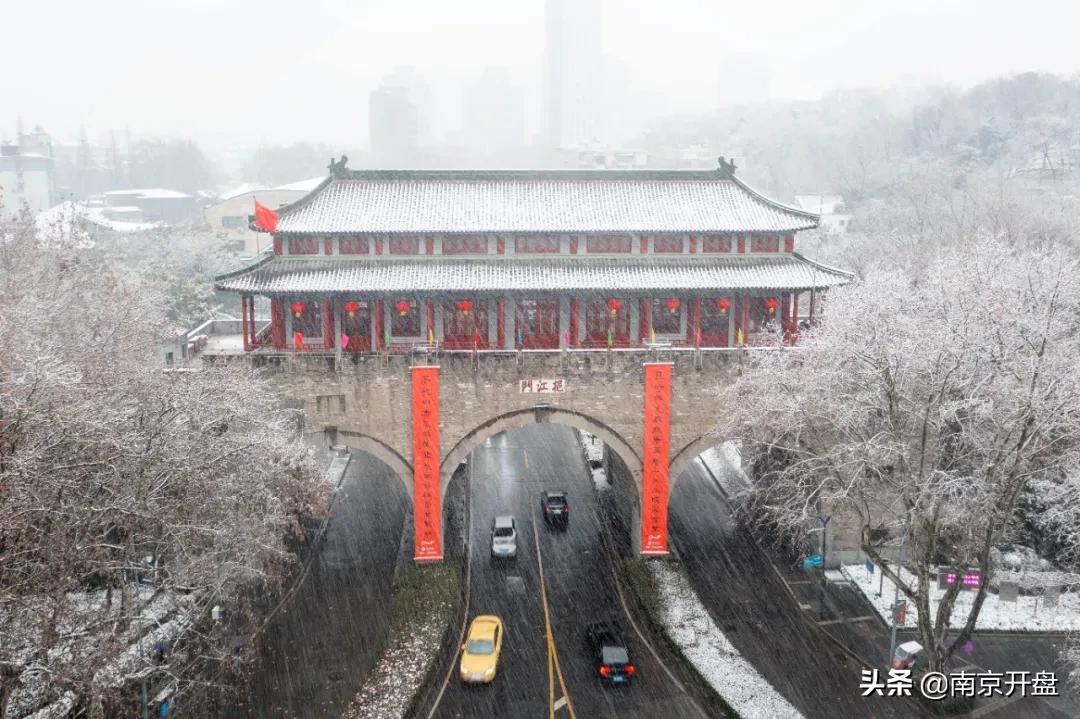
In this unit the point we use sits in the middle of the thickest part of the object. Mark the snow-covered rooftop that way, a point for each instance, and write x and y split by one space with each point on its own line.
820 204
153 193
533 275
66 212
248 188
539 201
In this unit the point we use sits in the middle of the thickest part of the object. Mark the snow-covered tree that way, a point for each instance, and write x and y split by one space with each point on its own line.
925 404
132 499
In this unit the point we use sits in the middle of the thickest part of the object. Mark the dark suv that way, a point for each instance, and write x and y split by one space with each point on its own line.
610 656
555 508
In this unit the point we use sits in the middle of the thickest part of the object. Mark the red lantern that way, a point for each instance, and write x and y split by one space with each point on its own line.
464 306
298 308
352 308
402 307
614 305
723 305
771 304
672 305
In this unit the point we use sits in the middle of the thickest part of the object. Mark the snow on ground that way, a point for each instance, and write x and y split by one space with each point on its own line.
1026 614
724 462
600 480
594 455
688 624
594 448
401 671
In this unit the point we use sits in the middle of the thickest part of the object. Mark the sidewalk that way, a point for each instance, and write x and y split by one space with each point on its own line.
847 617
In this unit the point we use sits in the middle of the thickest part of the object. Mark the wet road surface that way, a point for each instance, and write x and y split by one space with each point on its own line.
750 603
507 476
322 643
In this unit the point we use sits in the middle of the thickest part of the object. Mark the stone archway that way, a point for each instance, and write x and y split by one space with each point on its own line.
687 454
546 414
538 415
380 451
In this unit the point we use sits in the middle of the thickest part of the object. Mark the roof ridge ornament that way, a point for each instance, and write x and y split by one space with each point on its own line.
726 167
337 169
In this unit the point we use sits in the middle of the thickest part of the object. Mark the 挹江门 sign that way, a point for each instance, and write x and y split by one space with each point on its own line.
542 386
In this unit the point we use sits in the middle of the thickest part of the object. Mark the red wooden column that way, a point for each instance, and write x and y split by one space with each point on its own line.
429 311
327 325
277 323
785 314
253 331
575 313
742 320
694 326
794 318
380 322
427 502
645 319
500 335
244 323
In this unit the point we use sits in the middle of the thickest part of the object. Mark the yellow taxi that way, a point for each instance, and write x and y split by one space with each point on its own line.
480 652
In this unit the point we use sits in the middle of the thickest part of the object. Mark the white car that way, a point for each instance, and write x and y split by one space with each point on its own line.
503 537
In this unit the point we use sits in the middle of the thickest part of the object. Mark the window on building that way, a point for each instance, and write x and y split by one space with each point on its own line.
714 318
353 246
303 245
234 222
526 245
537 323
715 243
668 243
404 245
598 319
461 327
608 243
764 243
309 323
665 315
356 325
407 323
464 245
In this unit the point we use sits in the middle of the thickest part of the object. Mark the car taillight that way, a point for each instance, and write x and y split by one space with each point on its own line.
605 670
629 669
547 509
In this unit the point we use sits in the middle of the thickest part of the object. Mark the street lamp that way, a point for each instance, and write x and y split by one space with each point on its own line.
896 594
824 524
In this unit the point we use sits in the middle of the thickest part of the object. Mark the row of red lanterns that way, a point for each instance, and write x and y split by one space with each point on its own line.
403 306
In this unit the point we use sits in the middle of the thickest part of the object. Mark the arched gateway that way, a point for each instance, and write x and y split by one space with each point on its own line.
414 314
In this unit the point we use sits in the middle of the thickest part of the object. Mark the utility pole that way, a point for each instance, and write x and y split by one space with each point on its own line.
896 595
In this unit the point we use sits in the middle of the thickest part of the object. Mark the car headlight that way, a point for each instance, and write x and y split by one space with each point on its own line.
489 671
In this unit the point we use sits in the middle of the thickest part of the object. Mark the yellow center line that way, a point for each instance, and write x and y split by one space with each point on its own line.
553 655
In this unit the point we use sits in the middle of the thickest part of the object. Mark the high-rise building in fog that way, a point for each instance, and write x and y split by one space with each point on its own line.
744 79
493 113
572 72
399 117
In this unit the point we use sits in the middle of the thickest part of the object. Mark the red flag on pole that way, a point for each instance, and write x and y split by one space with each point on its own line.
265 217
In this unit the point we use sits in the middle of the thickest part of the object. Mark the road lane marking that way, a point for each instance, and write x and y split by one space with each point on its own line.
845 620
468 592
553 654
525 453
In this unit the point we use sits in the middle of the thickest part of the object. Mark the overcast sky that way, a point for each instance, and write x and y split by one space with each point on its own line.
241 72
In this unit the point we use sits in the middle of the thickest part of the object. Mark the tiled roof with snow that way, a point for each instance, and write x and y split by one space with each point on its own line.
539 201
274 275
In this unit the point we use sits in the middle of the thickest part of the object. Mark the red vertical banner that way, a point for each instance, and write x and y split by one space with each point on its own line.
654 503
427 511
